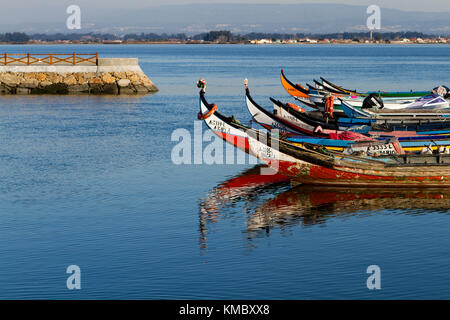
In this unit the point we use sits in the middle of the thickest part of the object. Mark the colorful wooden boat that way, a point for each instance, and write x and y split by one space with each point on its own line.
330 86
294 122
400 94
291 125
318 167
408 144
305 97
417 121
297 90
317 97
271 121
232 131
228 128
428 107
314 95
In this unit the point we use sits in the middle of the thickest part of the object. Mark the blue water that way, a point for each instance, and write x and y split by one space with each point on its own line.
89 181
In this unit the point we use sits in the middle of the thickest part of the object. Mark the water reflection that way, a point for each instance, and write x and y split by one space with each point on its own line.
245 188
269 202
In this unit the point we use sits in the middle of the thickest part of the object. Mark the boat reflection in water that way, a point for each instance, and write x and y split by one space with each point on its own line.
271 202
246 188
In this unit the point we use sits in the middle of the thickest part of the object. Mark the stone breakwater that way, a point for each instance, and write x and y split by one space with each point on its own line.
110 76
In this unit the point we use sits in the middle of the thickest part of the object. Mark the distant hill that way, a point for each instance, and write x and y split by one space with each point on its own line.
238 18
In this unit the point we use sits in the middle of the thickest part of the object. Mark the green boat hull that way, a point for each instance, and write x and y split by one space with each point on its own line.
412 94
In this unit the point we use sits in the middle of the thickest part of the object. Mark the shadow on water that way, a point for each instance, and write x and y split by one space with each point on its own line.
270 202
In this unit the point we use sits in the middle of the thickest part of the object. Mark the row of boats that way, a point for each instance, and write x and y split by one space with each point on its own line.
338 137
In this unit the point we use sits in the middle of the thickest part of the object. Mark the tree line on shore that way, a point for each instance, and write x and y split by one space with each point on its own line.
222 36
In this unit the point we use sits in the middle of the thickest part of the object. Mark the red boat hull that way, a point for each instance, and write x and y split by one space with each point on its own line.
309 173
306 173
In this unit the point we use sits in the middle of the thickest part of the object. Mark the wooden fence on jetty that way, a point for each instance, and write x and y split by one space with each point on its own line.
48 59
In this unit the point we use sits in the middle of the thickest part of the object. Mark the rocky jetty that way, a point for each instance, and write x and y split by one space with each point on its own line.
110 76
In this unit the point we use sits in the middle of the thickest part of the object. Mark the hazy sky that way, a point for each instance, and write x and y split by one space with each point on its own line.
49 15
52 5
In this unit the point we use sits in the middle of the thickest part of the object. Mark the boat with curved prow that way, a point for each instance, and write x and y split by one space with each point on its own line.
314 95
235 133
305 123
228 128
359 120
271 121
400 94
320 167
295 90
428 107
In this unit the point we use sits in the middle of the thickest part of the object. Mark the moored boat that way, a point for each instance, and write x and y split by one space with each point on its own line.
399 94
428 107
296 89
228 128
313 97
317 167
313 124
232 131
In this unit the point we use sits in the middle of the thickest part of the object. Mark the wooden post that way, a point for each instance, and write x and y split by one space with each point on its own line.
6 58
28 58
96 58
74 58
51 58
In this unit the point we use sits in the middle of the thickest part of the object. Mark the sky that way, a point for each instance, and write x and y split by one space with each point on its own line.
52 6
49 15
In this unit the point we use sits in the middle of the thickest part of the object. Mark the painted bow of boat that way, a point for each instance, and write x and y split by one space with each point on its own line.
293 89
223 126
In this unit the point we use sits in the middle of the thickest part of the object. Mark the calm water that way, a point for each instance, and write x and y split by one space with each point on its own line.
89 181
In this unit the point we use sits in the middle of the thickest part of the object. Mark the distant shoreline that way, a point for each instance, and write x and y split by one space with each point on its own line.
220 43
227 37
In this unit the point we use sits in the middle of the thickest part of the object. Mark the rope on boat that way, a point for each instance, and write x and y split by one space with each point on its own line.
209 113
